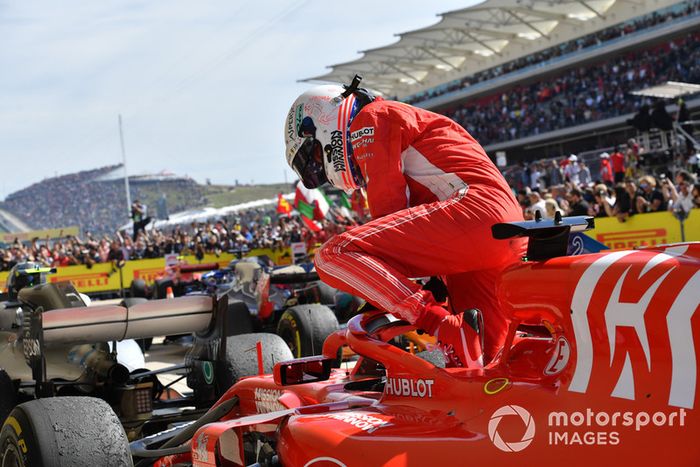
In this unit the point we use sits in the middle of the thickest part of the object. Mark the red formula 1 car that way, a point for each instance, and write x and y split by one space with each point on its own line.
599 367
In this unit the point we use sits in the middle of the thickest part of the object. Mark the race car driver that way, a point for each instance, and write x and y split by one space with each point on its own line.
433 195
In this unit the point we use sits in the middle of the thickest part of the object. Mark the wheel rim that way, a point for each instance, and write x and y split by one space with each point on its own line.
292 339
11 457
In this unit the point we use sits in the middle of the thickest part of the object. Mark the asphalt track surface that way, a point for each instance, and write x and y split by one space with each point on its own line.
162 356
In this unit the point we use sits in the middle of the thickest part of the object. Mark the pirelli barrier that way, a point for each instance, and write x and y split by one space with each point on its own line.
639 230
104 277
645 230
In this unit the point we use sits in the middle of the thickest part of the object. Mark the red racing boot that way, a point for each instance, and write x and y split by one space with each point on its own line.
458 336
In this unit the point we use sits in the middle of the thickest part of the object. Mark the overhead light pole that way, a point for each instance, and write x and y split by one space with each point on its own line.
126 176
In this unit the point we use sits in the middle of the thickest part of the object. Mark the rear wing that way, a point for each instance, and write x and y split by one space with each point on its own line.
548 238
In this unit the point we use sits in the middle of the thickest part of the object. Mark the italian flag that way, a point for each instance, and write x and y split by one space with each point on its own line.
306 212
314 198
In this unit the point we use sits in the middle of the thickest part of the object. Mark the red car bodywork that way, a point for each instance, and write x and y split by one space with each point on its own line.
600 367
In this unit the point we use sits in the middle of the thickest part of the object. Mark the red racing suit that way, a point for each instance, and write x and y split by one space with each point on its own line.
433 194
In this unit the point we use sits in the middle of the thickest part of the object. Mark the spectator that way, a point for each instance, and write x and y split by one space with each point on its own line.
623 207
649 198
537 204
138 217
584 174
696 195
577 205
683 198
603 203
571 170
116 253
536 177
632 157
555 175
551 208
606 170
617 161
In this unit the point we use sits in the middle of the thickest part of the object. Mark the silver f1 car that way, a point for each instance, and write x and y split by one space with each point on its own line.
52 344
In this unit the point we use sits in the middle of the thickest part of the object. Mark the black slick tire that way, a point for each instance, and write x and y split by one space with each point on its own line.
64 432
305 327
241 358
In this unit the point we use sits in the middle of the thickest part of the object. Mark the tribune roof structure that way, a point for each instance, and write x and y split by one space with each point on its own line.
669 90
479 37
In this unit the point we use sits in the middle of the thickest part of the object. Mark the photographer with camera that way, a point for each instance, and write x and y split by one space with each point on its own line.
139 218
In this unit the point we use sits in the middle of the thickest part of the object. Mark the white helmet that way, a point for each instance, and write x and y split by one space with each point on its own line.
317 137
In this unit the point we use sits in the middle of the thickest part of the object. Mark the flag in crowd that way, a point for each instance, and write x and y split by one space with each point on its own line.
283 206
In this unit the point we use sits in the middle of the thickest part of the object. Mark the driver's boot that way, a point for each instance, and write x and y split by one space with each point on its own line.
460 337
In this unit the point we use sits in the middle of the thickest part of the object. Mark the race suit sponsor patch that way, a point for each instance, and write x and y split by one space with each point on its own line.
365 132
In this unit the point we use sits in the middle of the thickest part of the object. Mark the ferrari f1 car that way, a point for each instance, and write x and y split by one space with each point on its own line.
599 364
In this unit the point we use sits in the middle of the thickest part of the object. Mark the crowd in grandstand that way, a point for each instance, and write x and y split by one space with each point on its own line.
255 228
83 199
620 186
581 94
573 46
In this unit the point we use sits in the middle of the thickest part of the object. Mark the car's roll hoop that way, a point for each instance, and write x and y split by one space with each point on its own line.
548 238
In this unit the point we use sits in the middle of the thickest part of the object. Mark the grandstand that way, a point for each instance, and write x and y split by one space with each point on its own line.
95 199
535 79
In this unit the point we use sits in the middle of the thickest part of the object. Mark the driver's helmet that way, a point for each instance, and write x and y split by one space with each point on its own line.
23 275
317 138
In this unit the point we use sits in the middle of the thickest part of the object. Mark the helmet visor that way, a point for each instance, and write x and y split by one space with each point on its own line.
308 163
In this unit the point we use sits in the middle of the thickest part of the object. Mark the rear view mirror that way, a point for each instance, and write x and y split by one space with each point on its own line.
303 370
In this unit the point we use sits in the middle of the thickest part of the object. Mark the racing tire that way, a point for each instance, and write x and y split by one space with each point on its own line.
63 432
241 358
305 327
294 278
326 293
138 289
8 395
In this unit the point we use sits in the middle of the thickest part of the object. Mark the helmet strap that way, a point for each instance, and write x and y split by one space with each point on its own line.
352 87
362 95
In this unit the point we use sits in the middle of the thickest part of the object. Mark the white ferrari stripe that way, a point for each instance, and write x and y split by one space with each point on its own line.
579 318
680 334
